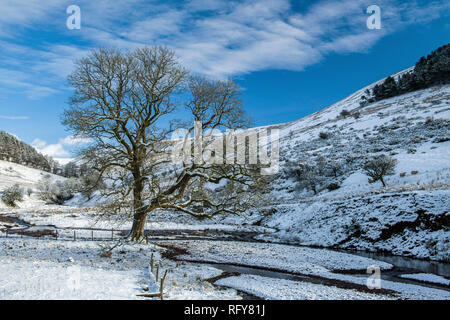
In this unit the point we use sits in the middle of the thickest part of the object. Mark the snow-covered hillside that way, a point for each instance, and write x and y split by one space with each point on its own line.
26 178
409 217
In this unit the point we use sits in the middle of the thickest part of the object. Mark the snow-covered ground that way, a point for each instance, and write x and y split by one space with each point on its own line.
280 289
403 223
49 269
427 277
404 290
293 259
60 269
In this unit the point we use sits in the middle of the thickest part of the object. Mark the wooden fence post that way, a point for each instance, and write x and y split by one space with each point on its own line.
74 235
161 287
151 263
157 272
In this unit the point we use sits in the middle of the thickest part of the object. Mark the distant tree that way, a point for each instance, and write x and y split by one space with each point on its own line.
57 192
91 181
311 174
379 167
428 71
335 167
14 150
71 169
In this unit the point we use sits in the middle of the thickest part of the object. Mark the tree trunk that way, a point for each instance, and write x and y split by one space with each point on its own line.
137 230
382 181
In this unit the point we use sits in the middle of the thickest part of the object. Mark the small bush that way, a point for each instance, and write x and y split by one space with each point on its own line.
333 186
324 135
344 113
11 195
354 229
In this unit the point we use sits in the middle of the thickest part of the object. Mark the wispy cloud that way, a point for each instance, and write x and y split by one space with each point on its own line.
24 82
216 38
13 117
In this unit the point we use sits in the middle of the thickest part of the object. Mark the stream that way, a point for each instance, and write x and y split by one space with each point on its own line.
402 265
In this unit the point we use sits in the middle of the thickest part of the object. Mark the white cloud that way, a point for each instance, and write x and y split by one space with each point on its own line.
38 143
74 140
59 150
55 150
22 81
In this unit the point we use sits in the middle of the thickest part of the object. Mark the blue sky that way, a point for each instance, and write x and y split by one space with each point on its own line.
291 58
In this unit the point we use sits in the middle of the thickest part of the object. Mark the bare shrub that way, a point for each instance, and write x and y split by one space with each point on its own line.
57 192
310 175
379 167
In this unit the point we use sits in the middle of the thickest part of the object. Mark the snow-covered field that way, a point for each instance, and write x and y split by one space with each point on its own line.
50 269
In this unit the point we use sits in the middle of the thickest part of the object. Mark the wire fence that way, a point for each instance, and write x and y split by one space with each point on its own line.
67 233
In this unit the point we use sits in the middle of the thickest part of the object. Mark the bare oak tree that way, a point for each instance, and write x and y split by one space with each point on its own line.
126 103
